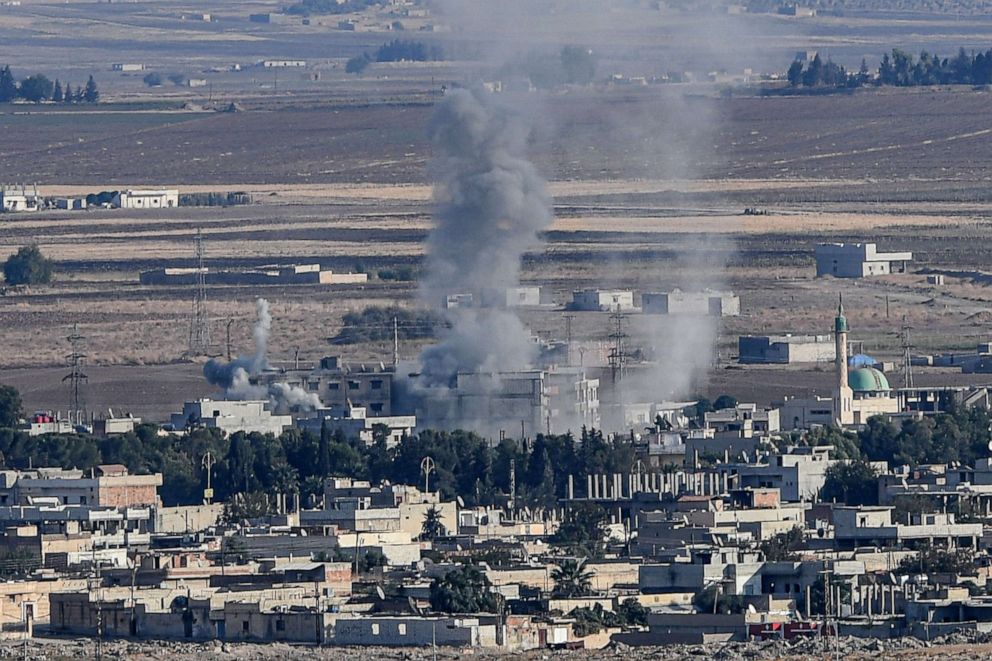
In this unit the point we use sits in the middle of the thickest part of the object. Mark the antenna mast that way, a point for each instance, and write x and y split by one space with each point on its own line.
199 328
907 355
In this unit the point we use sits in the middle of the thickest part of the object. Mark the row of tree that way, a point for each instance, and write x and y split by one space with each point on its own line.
38 88
898 69
397 50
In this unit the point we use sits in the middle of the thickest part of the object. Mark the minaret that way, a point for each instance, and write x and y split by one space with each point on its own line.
843 395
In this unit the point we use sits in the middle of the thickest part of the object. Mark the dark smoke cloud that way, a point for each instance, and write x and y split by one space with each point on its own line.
491 205
235 377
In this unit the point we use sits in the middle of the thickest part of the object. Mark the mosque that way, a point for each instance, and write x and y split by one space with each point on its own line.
859 392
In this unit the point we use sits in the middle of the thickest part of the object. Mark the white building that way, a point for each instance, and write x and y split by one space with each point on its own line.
283 64
511 297
858 260
354 422
127 66
231 416
19 198
602 300
147 199
706 302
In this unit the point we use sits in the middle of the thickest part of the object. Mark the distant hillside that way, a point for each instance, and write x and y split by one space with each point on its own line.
954 7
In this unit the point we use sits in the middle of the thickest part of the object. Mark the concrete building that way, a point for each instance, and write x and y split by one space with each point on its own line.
354 422
71 203
786 349
858 260
873 526
511 297
105 486
283 64
744 420
528 402
249 416
798 473
600 300
147 199
128 66
342 386
19 198
706 302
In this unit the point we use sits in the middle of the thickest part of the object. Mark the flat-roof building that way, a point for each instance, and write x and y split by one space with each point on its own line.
858 260
786 349
706 302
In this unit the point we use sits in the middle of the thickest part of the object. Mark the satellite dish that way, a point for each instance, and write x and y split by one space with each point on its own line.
379 593
461 503
990 446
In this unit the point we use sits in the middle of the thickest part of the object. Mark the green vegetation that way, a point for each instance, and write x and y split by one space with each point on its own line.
358 64
375 324
574 65
898 69
784 546
402 50
961 434
153 79
309 7
583 531
853 483
10 406
713 600
38 88
464 590
27 267
432 528
934 559
572 579
214 199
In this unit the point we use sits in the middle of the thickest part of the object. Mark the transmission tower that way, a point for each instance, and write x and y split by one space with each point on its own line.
76 377
199 327
907 355
618 355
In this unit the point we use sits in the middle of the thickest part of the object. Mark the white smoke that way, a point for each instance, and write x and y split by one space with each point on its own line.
236 376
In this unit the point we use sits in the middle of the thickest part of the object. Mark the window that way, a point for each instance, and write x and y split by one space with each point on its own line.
334 386
313 386
376 408
280 625
375 629
353 385
377 384
401 629
244 626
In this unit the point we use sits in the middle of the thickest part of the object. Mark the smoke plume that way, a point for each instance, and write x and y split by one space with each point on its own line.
491 203
235 377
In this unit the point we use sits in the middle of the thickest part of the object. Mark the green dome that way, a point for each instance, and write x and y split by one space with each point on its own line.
867 379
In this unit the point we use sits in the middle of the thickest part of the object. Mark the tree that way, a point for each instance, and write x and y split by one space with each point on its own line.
578 64
583 531
8 86
851 483
177 79
27 267
633 613
464 590
358 64
714 600
783 546
933 559
67 94
432 527
92 94
57 93
725 402
572 579
153 79
10 406
795 74
36 88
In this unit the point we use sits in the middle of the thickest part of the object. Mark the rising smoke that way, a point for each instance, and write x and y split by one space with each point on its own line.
235 377
491 204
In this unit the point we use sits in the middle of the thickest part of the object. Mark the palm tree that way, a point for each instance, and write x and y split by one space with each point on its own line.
571 579
432 527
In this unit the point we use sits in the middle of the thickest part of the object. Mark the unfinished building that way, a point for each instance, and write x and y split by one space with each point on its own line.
602 300
786 349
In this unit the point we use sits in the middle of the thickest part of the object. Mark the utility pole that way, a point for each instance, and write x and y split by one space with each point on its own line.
568 336
513 483
907 355
76 377
396 344
199 327
208 464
